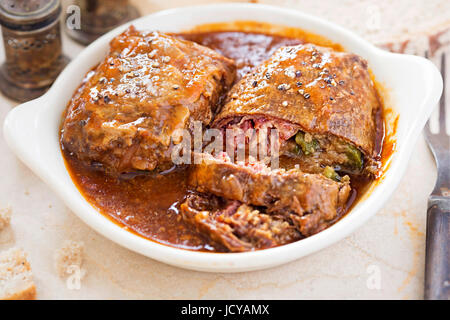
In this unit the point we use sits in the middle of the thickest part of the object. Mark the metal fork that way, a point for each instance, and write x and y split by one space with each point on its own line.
437 260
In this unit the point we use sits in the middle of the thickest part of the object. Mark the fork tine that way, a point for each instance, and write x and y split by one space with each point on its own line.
442 125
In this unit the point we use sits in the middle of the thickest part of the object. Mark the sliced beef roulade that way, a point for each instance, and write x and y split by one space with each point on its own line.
125 114
311 201
322 102
236 226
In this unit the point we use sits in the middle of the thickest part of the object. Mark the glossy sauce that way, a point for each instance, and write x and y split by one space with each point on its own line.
147 204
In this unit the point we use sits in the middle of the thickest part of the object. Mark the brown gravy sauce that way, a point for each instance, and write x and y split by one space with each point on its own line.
147 204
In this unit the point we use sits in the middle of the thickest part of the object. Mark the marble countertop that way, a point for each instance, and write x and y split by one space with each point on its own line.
389 248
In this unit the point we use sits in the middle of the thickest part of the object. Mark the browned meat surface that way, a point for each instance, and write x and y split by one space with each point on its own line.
312 89
312 199
124 115
237 226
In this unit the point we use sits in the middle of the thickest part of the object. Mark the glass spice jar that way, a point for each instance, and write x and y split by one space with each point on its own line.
33 50
97 17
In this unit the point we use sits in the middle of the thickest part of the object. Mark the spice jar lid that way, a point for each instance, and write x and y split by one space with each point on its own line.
26 15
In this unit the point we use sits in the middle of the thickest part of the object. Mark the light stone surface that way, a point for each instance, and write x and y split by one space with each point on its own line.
390 245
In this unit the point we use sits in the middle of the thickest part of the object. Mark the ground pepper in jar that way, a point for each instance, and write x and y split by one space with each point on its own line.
33 49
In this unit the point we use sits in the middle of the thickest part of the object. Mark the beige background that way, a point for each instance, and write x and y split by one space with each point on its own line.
392 242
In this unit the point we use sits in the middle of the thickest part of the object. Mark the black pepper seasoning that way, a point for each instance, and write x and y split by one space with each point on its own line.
97 17
33 51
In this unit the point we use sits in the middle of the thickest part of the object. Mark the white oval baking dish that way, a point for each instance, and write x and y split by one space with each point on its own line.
414 85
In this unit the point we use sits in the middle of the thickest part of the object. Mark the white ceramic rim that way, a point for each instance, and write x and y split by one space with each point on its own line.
27 122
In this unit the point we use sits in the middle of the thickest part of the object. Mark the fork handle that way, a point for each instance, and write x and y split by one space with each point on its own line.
437 261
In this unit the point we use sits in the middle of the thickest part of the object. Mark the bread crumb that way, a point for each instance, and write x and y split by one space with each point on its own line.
16 278
68 257
5 217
